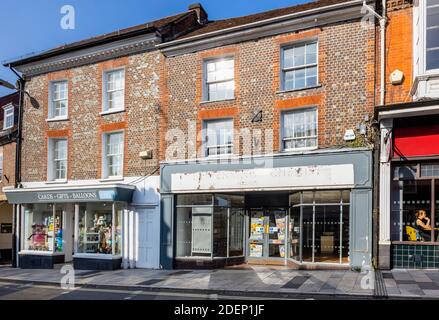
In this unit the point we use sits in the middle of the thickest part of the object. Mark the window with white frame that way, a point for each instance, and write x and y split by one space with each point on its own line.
58 100
432 35
58 159
114 90
218 137
299 129
219 79
113 154
8 117
299 66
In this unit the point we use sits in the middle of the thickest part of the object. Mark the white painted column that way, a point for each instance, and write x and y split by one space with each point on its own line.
126 234
385 180
132 235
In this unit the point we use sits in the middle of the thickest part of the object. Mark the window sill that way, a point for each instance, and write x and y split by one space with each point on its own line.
111 179
225 156
103 113
216 101
298 150
57 119
301 89
56 181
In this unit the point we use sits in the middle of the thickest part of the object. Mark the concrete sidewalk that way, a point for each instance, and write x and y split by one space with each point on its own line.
257 281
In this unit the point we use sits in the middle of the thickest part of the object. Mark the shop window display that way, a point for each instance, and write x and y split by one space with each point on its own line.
43 228
209 225
96 228
319 226
414 203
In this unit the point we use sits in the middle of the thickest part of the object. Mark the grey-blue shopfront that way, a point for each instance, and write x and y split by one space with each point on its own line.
303 209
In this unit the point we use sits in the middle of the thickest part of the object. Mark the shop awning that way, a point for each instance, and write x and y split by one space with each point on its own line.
72 194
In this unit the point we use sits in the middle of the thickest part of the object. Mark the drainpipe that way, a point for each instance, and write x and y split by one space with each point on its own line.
383 21
17 183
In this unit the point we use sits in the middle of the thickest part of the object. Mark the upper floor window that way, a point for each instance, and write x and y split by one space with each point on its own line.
219 79
113 154
58 100
218 137
299 66
299 129
114 90
432 35
8 117
58 159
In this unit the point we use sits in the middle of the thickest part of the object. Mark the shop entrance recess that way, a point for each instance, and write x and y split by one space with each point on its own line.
267 235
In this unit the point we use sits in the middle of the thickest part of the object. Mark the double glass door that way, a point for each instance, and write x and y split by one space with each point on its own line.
267 233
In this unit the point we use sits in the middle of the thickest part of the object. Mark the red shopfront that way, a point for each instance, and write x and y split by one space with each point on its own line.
415 188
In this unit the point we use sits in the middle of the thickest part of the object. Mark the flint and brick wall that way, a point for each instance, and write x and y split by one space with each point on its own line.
343 98
85 124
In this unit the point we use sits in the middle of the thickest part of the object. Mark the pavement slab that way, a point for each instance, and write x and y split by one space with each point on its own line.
398 283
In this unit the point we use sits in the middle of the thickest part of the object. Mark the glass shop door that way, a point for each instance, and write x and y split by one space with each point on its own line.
267 233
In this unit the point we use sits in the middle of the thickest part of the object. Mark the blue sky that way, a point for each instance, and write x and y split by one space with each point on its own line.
28 26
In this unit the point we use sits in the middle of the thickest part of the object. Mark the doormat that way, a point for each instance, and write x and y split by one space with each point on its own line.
296 282
150 282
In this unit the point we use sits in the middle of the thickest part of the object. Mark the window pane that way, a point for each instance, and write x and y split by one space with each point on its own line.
433 17
288 122
299 129
114 154
95 228
408 197
299 79
311 123
60 108
220 70
221 90
236 227
433 38
289 80
41 228
220 232
288 58
328 196
432 59
429 170
432 2
184 232
294 232
299 124
299 56
194 199
311 53
311 76
219 136
115 100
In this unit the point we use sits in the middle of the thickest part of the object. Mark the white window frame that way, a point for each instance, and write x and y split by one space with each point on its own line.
420 32
206 96
282 138
105 169
51 112
206 147
105 104
304 66
51 168
6 109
